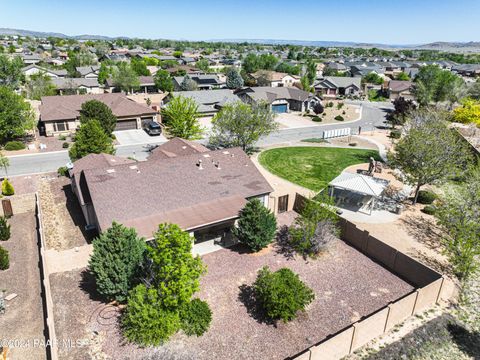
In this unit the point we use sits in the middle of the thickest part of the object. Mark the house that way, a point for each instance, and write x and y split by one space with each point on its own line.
60 114
332 86
274 79
146 85
31 59
281 99
202 191
209 101
396 88
88 72
204 82
70 86
470 70
35 69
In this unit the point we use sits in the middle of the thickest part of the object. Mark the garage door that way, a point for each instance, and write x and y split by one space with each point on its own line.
126 125
281 108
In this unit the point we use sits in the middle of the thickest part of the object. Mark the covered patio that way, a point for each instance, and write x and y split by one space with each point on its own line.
357 192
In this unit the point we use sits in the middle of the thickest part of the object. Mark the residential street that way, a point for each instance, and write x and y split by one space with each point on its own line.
373 114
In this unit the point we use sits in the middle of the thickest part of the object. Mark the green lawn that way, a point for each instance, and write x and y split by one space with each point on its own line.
312 167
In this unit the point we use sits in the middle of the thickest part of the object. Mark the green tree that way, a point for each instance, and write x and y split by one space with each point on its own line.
203 65
115 262
7 188
4 163
402 76
16 115
10 71
188 84
402 110
181 118
240 124
139 67
433 85
234 80
458 213
174 272
316 226
250 64
104 73
4 229
373 78
39 85
97 110
429 152
256 226
281 293
311 73
90 138
163 81
125 78
146 321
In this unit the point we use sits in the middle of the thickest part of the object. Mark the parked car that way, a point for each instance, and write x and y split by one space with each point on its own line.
153 128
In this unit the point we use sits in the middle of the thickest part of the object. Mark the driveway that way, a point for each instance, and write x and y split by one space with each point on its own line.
133 137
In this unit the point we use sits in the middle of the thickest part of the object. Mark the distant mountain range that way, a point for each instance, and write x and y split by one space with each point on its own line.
440 45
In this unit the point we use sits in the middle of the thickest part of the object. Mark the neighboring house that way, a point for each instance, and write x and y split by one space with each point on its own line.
60 114
202 191
281 99
332 86
336 67
31 59
190 70
70 86
209 101
274 79
35 69
88 72
204 82
470 70
396 88
146 85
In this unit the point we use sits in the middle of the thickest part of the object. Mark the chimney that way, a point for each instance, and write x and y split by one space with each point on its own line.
217 165
199 165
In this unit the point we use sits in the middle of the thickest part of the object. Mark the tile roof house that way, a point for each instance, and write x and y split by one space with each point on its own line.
60 114
281 99
332 86
202 191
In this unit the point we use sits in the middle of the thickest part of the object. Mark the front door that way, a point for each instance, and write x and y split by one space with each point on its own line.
282 204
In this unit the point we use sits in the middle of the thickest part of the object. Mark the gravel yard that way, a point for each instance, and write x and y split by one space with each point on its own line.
347 286
23 319
63 220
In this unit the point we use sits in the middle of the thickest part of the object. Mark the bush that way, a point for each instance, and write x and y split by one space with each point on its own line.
429 210
14 145
339 118
4 229
62 171
318 108
65 145
340 105
395 134
7 188
426 197
195 317
117 255
256 226
145 321
330 104
317 119
352 144
4 259
281 293
343 112
62 137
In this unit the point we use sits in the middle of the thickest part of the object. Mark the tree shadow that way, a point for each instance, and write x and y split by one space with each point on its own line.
468 342
283 243
240 249
435 264
423 230
249 299
89 286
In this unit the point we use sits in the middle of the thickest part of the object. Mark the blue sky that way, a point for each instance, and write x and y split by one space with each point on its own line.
393 22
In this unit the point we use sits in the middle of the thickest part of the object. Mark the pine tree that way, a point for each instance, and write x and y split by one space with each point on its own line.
256 226
117 256
234 79
7 188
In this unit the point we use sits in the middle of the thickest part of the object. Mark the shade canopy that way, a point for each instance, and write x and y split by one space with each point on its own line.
359 183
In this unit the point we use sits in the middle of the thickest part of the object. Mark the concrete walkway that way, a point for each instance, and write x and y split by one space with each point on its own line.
67 260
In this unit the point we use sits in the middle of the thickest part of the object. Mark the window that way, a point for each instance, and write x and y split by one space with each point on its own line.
60 126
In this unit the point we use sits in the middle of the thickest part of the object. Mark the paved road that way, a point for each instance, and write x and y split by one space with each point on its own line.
373 114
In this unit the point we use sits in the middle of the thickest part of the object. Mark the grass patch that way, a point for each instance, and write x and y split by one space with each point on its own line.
312 167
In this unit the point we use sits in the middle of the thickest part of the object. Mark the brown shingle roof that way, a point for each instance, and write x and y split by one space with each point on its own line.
176 147
399 85
67 107
175 189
